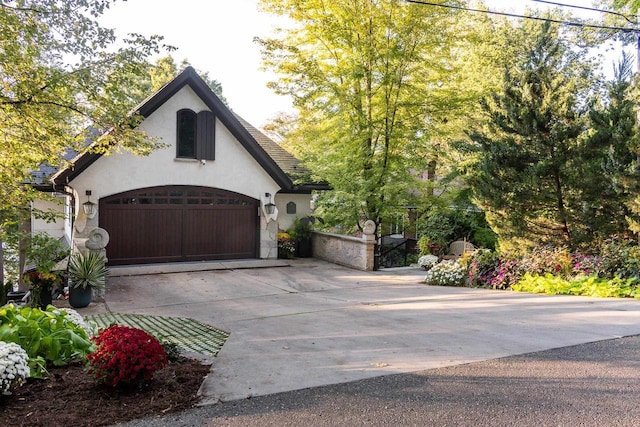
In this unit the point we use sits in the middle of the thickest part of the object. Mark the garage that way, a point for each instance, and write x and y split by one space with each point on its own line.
179 223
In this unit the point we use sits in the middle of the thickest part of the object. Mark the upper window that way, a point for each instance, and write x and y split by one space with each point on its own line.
186 134
291 208
195 135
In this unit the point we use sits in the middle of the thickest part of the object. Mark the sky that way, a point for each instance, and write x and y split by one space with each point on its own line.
217 36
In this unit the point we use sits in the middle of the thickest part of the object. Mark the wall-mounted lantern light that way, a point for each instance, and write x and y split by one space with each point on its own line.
89 207
269 207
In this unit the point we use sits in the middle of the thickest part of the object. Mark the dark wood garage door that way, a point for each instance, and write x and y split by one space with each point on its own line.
179 223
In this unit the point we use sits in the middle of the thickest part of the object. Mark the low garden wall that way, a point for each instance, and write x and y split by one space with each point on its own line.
349 251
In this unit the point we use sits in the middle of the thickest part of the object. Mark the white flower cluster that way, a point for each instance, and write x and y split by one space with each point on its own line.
446 273
14 368
77 319
427 261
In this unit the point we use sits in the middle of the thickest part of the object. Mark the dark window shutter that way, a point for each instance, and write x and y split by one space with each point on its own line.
206 136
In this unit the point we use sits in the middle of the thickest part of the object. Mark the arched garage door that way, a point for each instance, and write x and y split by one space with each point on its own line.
179 223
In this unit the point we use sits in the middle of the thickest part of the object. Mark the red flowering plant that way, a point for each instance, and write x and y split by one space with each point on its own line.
125 356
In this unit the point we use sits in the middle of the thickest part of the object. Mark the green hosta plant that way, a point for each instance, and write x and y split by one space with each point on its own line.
586 286
88 270
48 336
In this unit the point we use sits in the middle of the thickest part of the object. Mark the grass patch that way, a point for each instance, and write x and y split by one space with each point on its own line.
188 334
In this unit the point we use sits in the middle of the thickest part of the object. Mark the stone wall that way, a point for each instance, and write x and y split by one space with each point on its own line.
349 251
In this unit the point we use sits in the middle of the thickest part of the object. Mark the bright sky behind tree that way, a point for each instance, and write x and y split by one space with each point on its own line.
217 36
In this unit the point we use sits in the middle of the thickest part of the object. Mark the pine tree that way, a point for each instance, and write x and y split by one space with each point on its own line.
524 170
608 159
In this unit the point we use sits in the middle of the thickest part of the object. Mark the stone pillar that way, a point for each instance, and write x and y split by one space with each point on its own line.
369 237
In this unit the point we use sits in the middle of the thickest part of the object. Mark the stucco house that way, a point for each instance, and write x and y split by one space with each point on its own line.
207 195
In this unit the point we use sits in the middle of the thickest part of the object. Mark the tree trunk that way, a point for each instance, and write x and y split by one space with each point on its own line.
562 212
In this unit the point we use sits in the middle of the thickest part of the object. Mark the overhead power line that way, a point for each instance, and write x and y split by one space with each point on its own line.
591 9
515 15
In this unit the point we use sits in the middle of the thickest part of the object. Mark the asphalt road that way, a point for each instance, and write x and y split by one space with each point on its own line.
595 384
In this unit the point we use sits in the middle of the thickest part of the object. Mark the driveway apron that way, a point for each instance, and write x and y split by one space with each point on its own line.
315 323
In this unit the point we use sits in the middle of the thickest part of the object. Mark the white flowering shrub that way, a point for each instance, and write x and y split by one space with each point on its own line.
77 319
446 273
14 367
427 261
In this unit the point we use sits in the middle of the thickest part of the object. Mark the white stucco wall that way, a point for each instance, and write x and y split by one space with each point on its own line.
234 168
57 228
303 208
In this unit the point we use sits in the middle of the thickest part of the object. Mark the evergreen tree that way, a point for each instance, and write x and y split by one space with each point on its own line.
608 163
524 172
165 69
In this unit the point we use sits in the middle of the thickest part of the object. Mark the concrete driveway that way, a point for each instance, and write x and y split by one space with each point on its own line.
315 323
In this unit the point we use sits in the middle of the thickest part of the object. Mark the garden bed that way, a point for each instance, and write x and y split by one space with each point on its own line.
71 398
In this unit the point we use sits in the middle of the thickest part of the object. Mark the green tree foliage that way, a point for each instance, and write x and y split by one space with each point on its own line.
63 76
631 5
609 167
372 82
523 174
165 69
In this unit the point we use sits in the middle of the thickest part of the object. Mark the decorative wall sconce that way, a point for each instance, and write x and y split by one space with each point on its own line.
89 207
269 207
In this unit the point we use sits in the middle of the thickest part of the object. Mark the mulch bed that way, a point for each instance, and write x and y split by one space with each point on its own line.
70 397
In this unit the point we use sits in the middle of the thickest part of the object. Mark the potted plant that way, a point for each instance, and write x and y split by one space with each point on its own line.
87 271
41 285
286 246
302 234
44 253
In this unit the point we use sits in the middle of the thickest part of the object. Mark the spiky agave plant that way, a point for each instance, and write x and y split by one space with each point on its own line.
88 269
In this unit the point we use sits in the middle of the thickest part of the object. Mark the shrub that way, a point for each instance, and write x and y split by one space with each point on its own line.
506 273
587 265
620 257
427 261
125 356
14 367
481 266
446 273
171 348
587 286
48 336
444 224
75 318
286 245
424 244
548 259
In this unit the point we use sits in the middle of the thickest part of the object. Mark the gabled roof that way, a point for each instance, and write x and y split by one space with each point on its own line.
289 164
276 161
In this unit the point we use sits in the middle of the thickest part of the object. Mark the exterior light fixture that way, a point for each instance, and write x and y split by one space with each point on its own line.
89 207
270 207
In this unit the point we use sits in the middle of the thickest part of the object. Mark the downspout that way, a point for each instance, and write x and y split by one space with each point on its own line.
64 190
